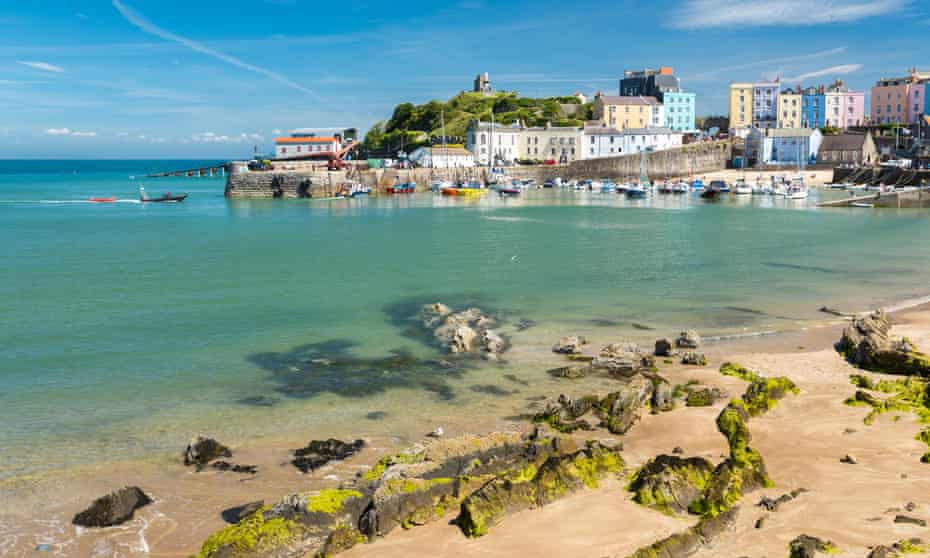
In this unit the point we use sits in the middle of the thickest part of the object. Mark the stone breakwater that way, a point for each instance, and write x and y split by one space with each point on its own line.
293 180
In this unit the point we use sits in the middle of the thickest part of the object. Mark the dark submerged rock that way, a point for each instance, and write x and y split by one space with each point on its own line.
234 468
321 452
202 450
908 520
113 509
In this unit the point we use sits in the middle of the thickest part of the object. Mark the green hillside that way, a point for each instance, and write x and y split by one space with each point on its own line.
411 126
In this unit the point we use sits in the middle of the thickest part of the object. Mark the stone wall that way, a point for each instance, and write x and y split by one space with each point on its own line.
314 182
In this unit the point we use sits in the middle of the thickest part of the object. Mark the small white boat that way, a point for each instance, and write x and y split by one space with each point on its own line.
861 204
681 188
741 188
796 190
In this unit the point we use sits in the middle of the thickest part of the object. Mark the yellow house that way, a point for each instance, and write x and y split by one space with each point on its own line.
789 109
740 105
625 113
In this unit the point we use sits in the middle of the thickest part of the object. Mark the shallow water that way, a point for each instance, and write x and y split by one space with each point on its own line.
129 327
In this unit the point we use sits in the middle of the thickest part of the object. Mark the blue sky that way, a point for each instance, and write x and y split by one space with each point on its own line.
212 78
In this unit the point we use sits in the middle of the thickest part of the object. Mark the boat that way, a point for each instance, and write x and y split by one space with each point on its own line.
715 189
637 191
111 199
680 188
608 186
506 192
352 190
861 204
549 184
722 186
710 194
697 185
665 187
796 190
571 184
167 197
402 188
741 188
469 189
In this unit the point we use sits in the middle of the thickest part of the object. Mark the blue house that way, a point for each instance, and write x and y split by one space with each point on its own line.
679 110
784 146
813 108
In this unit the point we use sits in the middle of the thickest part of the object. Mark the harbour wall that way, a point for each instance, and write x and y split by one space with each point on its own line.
296 180
881 175
913 199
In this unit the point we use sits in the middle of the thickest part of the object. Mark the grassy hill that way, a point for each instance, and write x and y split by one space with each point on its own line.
411 126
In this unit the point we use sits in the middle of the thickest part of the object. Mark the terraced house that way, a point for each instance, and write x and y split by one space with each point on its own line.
789 108
900 100
765 104
551 143
740 108
628 112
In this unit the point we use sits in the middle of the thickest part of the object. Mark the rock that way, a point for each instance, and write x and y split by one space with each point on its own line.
677 450
239 513
462 340
202 450
492 343
882 551
44 547
693 358
773 504
910 506
234 468
113 509
867 343
848 459
573 372
688 340
690 540
432 315
437 433
908 520
622 360
625 406
617 411
704 397
569 345
806 546
663 348
760 522
662 399
463 332
670 483
320 452
557 476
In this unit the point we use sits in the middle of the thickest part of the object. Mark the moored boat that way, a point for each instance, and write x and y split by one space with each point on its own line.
741 188
167 197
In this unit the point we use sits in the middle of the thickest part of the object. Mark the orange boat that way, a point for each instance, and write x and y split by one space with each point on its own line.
103 200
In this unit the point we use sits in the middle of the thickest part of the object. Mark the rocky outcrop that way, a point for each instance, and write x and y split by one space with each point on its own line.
688 340
534 486
662 396
664 348
468 331
113 509
320 452
572 372
618 411
202 450
774 504
418 486
670 483
693 358
704 397
868 344
806 546
622 360
690 540
569 345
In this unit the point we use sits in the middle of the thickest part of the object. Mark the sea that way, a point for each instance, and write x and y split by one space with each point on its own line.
127 327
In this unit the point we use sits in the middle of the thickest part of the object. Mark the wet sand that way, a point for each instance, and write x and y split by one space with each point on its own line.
802 441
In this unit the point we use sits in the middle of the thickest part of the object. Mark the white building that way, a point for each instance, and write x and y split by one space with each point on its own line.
551 143
299 146
784 146
604 141
503 141
438 157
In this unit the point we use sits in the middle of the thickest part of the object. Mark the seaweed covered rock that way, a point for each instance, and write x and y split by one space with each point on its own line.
113 509
806 546
662 396
690 540
693 358
764 393
320 452
618 411
565 414
670 483
569 345
572 372
868 344
534 486
704 397
202 450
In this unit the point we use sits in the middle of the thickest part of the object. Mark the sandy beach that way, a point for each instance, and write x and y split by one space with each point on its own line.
802 441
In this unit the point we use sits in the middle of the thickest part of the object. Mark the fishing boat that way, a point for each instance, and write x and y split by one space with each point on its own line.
352 190
167 197
697 185
111 199
715 190
796 190
741 188
571 184
637 191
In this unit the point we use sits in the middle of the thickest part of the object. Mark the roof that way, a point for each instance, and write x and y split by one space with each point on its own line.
843 142
606 130
601 131
307 139
447 151
790 132
636 101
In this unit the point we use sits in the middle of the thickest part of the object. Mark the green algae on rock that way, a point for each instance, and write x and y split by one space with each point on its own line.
670 483
868 344
737 371
689 541
252 536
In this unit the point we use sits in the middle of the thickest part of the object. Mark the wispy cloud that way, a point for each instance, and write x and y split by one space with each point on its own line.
697 14
831 71
147 26
213 137
43 66
69 132
712 74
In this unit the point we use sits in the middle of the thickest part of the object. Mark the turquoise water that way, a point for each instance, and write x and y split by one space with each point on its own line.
126 327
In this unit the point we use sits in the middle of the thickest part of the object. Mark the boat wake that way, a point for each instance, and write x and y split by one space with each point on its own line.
66 202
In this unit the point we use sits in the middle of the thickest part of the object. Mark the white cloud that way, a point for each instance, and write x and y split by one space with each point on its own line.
712 74
44 66
831 71
69 132
276 132
147 26
213 137
697 14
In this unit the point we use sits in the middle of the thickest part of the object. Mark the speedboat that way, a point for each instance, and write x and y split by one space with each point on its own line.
741 188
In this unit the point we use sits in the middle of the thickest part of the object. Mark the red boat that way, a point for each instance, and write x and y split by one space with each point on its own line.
103 200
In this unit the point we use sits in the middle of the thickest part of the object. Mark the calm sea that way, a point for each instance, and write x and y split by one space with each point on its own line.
127 327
